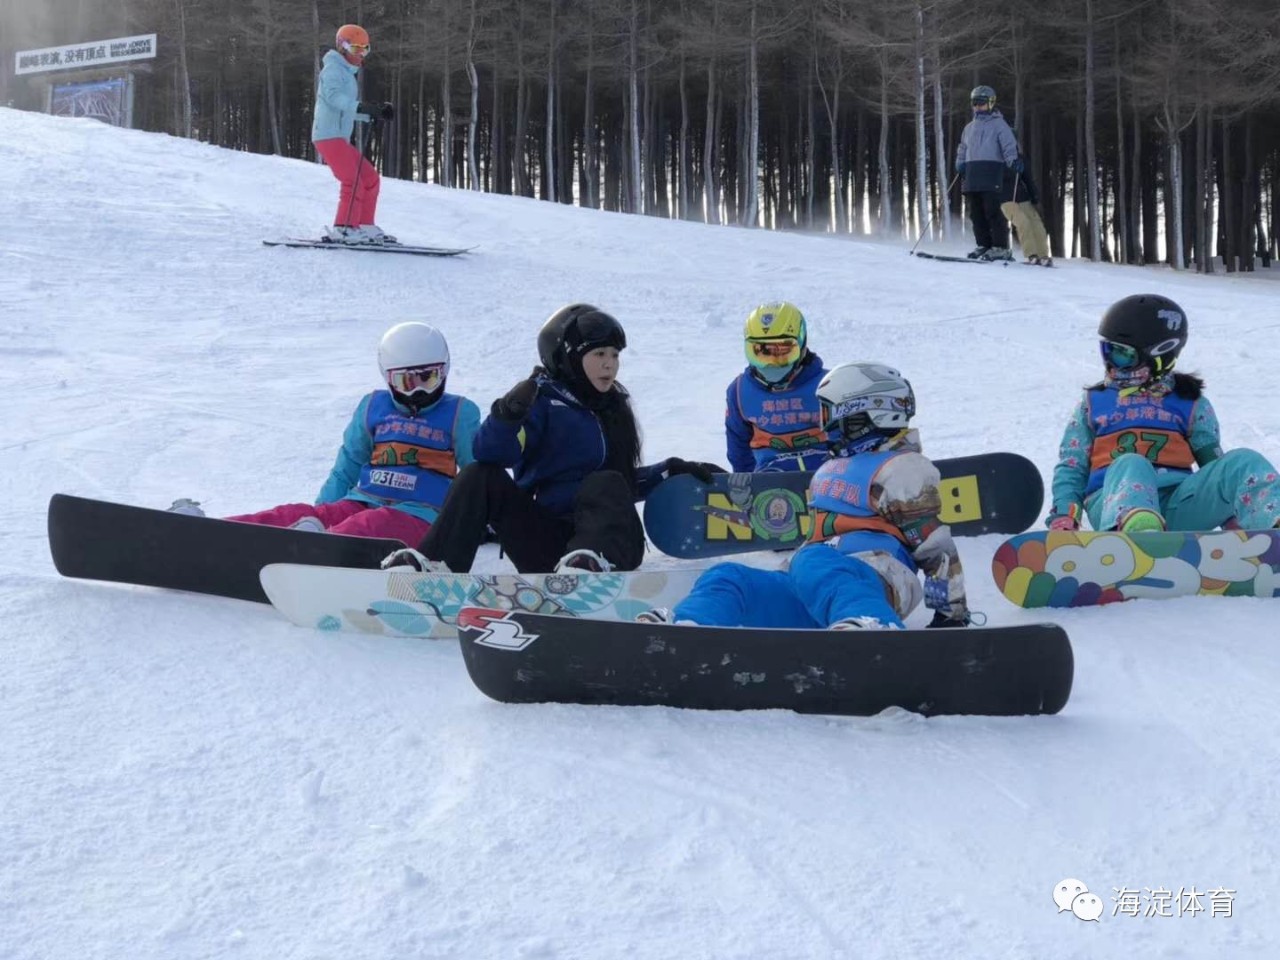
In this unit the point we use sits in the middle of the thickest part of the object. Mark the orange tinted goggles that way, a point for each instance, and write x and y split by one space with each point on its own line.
775 352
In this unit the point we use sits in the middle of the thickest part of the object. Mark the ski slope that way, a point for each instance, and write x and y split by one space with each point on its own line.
184 776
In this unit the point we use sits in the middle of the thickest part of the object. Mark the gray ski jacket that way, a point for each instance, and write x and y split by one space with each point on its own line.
987 147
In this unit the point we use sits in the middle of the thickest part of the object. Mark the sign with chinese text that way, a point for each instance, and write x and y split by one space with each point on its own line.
94 54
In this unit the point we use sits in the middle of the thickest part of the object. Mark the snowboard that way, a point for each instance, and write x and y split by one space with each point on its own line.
1083 568
406 248
405 603
518 657
741 512
98 540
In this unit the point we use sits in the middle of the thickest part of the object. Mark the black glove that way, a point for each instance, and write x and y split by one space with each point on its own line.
702 472
514 407
375 111
940 620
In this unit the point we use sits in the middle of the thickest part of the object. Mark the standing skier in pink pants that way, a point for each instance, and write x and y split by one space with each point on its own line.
338 107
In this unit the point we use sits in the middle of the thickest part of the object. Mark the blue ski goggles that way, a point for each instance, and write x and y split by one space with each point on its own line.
1121 356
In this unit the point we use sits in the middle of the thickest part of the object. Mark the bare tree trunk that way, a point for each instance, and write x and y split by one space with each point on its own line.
1226 203
941 166
473 121
1122 205
710 135
751 164
1178 255
922 143
810 160
1090 147
682 161
273 120
633 103
549 174
885 183
1139 255
184 77
590 153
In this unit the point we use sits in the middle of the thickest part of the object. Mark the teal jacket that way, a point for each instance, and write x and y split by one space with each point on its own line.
1071 475
337 95
357 448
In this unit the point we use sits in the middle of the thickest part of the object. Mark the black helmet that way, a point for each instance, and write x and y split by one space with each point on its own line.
572 331
1153 325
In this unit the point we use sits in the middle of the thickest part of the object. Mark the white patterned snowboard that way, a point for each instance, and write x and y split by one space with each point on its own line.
405 603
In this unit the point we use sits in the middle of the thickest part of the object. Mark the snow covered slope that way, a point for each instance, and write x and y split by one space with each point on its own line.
190 777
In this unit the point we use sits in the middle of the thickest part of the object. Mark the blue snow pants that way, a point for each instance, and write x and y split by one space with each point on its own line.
1241 484
821 586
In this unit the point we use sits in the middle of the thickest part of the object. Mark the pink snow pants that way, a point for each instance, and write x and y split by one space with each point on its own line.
344 159
349 517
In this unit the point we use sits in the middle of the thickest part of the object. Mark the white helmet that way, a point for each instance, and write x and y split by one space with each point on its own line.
414 359
864 400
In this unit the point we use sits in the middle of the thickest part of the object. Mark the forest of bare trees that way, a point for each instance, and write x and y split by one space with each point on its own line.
1152 127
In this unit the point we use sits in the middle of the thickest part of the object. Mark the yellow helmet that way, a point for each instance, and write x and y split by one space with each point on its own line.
775 338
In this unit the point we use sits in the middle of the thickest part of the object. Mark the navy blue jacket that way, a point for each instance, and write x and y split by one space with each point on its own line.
553 448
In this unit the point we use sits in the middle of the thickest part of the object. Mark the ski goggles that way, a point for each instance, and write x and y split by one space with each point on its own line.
1121 356
774 353
408 380
594 330
359 49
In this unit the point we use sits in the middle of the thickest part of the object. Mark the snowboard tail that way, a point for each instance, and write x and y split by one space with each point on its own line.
99 540
406 603
518 657
742 512
1081 568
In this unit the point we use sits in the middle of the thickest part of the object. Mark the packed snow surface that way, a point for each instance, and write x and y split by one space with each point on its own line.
186 776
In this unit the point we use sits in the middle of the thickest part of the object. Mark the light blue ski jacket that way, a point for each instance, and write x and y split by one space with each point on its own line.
337 95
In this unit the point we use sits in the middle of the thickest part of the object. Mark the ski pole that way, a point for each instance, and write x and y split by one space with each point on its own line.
933 215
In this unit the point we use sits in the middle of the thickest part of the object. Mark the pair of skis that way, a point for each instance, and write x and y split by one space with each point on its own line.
955 259
402 248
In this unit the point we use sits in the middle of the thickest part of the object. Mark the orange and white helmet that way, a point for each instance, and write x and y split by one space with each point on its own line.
352 41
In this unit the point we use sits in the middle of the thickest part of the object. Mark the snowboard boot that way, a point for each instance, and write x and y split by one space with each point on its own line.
1034 260
310 524
584 561
997 253
190 508
976 253
862 623
662 615
1141 521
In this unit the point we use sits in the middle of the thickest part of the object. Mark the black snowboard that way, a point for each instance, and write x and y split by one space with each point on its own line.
98 540
518 657
741 512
